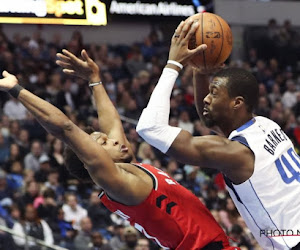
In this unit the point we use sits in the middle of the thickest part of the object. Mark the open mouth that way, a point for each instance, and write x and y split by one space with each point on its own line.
205 112
123 148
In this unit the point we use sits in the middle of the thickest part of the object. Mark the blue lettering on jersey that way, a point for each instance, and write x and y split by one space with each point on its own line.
273 139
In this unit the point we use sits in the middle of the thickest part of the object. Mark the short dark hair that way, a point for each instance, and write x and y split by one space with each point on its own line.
241 82
49 193
74 165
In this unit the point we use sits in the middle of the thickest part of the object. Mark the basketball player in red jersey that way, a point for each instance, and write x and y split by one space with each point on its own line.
153 202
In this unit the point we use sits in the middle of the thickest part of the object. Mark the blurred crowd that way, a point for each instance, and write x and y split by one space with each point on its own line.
39 198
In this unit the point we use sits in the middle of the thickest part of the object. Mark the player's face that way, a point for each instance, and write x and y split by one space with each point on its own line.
118 152
217 103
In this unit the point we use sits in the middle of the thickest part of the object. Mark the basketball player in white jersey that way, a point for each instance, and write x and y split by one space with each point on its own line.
258 160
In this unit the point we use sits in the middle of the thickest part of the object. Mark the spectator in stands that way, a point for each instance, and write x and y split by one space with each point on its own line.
130 237
14 155
98 242
54 86
135 63
76 43
31 192
228 213
73 211
289 98
4 125
296 107
190 181
53 183
47 144
14 130
110 86
98 213
15 176
82 96
31 160
6 240
63 231
4 150
275 94
47 206
133 136
142 244
131 109
247 233
117 241
238 235
147 48
65 98
6 193
42 173
174 171
145 153
83 239
32 225
15 110
263 107
184 121
118 69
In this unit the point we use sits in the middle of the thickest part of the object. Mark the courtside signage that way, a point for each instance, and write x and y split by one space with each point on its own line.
162 8
65 12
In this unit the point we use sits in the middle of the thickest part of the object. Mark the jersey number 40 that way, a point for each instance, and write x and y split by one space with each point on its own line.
288 174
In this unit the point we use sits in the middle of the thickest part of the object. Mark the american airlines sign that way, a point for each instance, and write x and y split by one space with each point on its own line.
152 8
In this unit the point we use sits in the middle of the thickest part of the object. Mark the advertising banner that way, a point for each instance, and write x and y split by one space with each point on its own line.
65 12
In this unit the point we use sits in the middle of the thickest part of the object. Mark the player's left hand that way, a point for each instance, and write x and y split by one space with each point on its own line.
179 50
72 65
8 82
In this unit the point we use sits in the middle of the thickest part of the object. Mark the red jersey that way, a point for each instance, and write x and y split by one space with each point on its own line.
171 215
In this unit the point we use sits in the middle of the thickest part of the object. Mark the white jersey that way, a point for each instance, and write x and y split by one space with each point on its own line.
269 201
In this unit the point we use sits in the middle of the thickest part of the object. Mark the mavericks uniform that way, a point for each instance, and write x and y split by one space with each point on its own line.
269 200
171 215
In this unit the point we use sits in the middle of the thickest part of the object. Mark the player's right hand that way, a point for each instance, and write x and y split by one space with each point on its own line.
8 82
179 50
72 65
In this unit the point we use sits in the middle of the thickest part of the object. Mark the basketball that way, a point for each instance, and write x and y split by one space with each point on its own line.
215 32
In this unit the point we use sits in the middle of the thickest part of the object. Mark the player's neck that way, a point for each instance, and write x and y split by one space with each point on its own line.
235 124
133 160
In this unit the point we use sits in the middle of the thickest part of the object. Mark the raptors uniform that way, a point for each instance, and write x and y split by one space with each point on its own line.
269 200
171 215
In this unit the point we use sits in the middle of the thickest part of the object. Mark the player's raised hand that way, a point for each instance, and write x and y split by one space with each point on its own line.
8 81
85 68
179 50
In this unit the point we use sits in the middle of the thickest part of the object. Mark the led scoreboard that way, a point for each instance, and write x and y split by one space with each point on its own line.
66 12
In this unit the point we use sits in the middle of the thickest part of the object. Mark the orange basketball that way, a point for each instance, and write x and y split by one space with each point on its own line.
215 32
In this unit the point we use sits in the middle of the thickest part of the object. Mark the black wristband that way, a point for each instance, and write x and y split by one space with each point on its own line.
15 91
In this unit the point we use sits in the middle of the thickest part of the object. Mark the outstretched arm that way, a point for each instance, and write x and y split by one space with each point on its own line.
153 123
118 183
108 117
206 151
